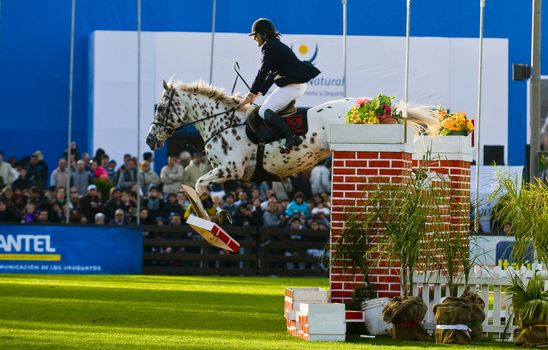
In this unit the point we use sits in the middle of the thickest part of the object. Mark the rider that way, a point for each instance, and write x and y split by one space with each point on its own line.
282 67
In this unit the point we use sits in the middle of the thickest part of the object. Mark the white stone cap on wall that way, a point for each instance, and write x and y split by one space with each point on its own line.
444 147
371 138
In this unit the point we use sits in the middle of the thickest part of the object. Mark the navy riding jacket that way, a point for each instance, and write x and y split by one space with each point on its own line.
280 65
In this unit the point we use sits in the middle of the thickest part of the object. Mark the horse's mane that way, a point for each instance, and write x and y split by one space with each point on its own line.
203 88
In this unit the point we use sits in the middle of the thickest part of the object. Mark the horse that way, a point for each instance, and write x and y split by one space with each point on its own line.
230 151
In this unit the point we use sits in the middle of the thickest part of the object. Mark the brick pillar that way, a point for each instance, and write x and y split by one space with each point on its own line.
364 155
450 155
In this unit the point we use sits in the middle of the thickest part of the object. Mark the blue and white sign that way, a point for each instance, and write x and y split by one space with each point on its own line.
71 249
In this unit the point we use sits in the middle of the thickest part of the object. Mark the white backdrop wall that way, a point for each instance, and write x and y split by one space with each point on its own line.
443 71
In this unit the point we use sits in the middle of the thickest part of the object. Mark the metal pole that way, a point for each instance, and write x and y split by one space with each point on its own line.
213 20
344 46
69 132
138 111
478 118
406 73
534 111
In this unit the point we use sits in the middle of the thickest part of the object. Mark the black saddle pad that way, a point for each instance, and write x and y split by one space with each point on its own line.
259 131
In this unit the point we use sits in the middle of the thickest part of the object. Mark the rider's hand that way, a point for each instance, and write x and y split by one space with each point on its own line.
249 98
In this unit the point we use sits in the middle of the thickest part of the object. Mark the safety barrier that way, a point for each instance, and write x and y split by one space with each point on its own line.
263 252
490 284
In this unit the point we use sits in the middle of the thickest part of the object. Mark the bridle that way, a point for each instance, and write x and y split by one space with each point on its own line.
163 120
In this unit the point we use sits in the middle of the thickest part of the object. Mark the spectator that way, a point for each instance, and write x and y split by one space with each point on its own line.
91 203
149 157
99 219
7 174
145 218
301 183
298 206
171 176
97 172
99 153
128 177
175 219
22 182
113 203
119 218
74 153
184 158
29 214
111 171
147 177
42 216
37 169
129 206
242 198
59 176
74 205
172 206
6 212
182 199
320 178
86 158
154 203
80 178
272 217
229 204
321 215
282 188
160 221
194 170
244 216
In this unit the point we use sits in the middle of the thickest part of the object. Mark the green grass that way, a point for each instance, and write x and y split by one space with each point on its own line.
156 312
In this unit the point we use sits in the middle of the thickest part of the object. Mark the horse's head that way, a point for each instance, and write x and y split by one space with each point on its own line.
168 117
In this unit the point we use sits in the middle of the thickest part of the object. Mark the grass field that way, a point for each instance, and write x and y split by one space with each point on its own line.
157 312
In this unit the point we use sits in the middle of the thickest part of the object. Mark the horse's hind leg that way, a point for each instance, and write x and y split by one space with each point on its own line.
217 175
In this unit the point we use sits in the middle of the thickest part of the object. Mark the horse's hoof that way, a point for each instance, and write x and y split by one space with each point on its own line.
225 216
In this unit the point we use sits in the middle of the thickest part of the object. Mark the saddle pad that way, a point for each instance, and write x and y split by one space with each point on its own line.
297 122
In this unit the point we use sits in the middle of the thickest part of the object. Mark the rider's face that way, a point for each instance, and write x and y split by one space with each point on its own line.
259 39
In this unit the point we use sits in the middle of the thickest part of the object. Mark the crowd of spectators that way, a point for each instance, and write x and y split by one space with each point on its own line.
103 192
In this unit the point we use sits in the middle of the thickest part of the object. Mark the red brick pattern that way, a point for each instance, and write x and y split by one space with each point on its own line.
355 175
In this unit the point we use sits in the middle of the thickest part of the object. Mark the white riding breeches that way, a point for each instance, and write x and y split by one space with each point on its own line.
281 96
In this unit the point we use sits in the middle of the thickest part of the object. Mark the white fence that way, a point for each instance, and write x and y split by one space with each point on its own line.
490 285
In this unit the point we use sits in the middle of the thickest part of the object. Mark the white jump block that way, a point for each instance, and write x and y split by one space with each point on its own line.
318 295
321 322
213 233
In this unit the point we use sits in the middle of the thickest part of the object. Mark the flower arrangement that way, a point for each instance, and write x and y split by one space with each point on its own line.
454 123
373 111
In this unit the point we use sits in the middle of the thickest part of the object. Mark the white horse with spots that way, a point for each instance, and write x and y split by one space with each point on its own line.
232 155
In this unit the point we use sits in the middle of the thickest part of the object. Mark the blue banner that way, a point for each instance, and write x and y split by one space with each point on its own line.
71 249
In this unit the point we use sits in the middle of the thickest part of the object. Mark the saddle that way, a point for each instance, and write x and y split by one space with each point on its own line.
258 130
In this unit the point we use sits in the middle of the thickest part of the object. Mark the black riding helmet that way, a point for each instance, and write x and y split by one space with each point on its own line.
263 26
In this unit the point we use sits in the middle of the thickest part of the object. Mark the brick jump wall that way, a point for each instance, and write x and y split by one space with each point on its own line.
353 175
365 157
450 156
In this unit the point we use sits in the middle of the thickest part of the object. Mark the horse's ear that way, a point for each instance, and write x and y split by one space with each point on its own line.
166 85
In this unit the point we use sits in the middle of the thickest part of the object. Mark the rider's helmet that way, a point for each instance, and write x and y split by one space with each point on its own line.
263 26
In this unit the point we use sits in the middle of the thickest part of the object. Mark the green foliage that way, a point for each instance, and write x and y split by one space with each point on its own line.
402 211
530 302
526 210
350 250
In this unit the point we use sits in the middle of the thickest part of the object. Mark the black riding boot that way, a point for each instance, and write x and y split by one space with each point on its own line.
291 140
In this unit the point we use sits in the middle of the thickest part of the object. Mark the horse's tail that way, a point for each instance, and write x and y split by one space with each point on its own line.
423 118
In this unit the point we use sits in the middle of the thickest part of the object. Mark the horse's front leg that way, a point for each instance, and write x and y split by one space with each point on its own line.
217 175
